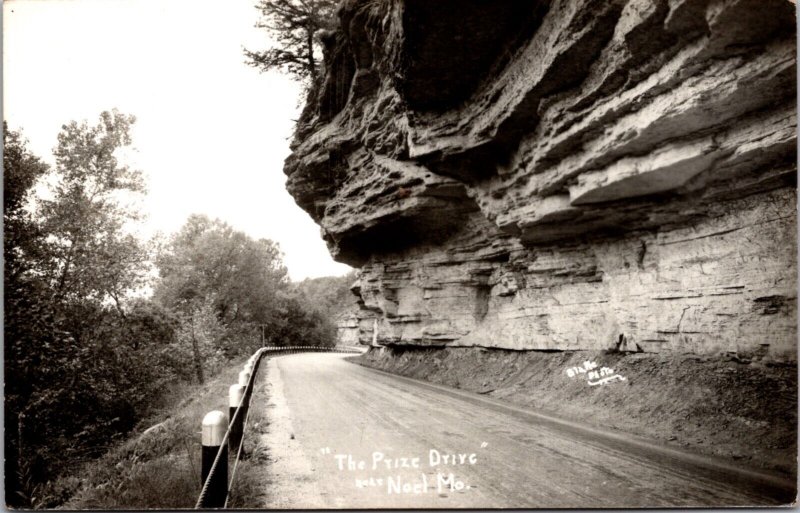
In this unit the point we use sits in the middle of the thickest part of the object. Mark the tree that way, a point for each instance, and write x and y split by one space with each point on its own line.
296 26
91 253
209 260
26 322
74 377
301 324
25 309
198 335
21 171
223 284
329 295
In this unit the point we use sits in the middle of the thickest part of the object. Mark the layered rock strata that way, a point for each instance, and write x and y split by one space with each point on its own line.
565 174
347 330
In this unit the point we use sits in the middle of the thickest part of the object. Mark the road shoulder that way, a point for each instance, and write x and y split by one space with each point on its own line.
290 475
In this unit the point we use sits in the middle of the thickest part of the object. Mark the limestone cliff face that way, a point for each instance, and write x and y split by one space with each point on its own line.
565 174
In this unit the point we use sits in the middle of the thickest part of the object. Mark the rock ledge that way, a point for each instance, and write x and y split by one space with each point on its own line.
571 174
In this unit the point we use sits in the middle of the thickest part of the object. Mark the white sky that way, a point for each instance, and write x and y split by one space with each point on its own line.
211 132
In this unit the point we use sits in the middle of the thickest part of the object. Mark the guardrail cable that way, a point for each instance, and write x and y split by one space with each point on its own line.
241 442
222 446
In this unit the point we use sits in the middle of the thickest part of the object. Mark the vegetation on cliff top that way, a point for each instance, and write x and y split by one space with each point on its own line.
296 26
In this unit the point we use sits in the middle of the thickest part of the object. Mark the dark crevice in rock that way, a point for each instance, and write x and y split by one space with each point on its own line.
341 66
395 235
454 44
479 163
567 71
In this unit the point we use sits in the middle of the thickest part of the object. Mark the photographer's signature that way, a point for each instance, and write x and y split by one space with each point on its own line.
594 377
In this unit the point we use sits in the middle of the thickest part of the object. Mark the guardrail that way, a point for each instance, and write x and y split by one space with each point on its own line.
221 437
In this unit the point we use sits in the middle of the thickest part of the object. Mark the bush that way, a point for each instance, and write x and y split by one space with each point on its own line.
81 391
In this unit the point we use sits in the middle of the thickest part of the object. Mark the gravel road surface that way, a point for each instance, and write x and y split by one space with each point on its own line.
344 436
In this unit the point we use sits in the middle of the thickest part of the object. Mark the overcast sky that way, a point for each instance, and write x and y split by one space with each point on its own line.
211 133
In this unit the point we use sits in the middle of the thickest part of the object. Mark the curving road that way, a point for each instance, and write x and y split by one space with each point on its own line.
343 436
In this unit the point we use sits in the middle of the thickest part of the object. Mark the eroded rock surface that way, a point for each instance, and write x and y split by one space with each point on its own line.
565 174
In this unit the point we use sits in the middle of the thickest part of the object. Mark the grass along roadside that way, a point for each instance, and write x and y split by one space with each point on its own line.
249 488
159 467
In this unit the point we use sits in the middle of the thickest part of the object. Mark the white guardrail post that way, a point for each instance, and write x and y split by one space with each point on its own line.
215 424
235 398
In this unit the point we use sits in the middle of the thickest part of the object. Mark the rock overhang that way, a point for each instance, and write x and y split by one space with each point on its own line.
580 124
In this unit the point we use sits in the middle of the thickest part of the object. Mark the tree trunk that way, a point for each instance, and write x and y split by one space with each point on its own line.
198 363
310 49
133 340
63 280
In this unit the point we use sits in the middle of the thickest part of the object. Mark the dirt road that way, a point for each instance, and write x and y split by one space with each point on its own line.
343 436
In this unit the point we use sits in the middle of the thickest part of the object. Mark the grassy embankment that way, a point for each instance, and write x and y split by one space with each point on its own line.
159 465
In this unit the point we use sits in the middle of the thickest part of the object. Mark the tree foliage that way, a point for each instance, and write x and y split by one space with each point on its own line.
21 171
296 26
89 253
208 259
77 371
228 290
87 353
329 295
27 320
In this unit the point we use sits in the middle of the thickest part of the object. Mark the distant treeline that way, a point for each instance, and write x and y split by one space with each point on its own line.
98 323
